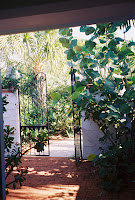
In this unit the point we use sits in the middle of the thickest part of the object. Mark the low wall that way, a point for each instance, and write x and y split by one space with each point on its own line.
11 116
91 134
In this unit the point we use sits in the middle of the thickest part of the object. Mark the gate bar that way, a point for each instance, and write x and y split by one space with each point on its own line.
73 80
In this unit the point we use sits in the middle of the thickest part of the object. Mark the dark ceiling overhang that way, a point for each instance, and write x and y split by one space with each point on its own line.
20 8
32 15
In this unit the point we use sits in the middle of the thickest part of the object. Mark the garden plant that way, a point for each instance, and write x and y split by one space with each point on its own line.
105 90
13 156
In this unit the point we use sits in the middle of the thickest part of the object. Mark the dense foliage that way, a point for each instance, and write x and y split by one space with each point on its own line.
56 108
10 81
59 106
106 91
29 55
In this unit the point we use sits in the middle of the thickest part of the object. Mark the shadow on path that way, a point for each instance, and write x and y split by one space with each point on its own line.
59 179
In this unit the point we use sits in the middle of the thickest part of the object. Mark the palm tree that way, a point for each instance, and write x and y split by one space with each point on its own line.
36 52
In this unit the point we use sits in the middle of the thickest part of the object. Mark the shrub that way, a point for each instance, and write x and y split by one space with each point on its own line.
106 92
13 155
59 105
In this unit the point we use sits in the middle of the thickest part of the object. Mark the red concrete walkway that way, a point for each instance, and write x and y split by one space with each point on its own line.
59 179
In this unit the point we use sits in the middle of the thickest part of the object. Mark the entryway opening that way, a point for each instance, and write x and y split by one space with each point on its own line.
37 68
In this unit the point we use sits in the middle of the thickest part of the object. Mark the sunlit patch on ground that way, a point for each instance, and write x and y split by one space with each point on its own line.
45 192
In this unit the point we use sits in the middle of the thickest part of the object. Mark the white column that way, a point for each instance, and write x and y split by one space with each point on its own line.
91 134
11 116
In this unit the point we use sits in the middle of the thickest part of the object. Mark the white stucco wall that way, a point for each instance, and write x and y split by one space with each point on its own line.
91 134
11 116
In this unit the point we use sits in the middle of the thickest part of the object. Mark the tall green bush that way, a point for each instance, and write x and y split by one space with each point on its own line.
106 92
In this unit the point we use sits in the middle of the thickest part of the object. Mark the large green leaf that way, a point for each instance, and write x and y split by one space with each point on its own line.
126 52
65 42
89 44
123 48
73 43
80 89
75 58
94 74
104 48
83 28
90 30
75 95
101 28
110 54
112 44
125 108
112 28
69 89
94 37
66 31
91 157
108 85
104 62
89 71
129 82
55 95
70 53
118 39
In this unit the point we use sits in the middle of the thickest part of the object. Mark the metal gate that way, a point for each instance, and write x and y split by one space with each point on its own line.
76 122
34 123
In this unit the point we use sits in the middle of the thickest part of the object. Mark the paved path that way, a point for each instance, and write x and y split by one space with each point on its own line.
62 148
51 178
